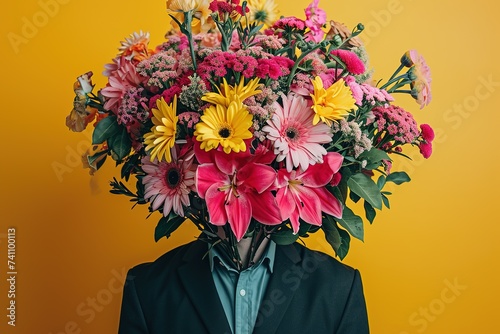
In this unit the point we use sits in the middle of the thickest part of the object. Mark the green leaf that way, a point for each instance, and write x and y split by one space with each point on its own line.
167 225
364 186
120 144
354 197
342 186
139 185
381 182
398 177
332 235
337 192
373 157
284 237
336 237
386 201
352 223
106 128
304 229
350 159
130 166
370 212
344 244
256 29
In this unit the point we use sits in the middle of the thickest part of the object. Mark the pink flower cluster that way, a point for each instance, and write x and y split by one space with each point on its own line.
177 43
218 63
189 119
395 127
270 42
289 23
367 93
132 109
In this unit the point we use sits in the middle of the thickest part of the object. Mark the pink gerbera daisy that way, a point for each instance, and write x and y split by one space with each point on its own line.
296 140
120 80
167 184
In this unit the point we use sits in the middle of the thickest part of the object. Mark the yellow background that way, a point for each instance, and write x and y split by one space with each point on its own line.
75 240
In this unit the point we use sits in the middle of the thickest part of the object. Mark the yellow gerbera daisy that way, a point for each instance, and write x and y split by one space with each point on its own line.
332 103
225 126
162 136
263 12
228 93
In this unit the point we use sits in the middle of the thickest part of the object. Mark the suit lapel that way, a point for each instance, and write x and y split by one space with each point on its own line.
197 280
284 282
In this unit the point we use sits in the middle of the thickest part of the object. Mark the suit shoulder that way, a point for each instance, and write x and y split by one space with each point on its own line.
326 264
165 262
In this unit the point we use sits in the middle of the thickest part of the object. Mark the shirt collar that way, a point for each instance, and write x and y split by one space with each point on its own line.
266 259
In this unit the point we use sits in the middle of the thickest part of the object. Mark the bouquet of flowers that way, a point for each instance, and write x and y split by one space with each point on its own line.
255 125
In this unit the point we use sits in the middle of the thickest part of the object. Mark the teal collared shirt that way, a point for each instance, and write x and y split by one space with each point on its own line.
241 293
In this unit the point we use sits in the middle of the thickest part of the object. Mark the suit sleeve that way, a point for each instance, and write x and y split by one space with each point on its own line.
131 317
355 318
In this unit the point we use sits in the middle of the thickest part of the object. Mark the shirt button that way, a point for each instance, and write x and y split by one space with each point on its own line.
243 292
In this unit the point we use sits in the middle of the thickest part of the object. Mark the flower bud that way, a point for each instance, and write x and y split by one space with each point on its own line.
406 59
337 40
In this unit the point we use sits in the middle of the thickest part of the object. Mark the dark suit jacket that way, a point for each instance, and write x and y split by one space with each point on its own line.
308 292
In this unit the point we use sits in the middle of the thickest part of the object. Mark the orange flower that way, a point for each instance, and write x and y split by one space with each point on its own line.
136 47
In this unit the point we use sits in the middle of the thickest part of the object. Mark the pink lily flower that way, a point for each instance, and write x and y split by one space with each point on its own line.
302 194
236 188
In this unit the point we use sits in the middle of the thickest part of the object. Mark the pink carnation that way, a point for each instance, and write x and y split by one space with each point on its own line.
286 23
425 149
427 132
352 62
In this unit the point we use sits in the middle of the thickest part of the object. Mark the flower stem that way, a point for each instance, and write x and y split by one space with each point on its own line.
398 85
401 66
185 28
393 80
297 62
